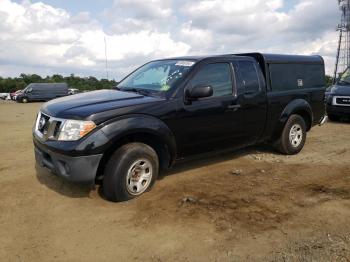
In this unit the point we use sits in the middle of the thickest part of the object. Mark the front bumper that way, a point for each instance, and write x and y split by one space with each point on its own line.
338 110
80 169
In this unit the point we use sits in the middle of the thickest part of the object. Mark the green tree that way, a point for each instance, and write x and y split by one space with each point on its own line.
329 80
87 83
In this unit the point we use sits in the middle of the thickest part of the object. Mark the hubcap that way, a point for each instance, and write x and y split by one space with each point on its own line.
295 135
139 177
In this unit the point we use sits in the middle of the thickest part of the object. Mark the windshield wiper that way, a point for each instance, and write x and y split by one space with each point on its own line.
343 82
136 90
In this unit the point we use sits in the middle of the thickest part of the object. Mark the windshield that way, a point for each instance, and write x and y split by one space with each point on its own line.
345 77
157 76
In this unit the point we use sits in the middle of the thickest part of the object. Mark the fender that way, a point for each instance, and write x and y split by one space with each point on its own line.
120 127
113 130
300 106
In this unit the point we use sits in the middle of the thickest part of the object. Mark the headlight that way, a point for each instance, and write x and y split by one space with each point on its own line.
74 129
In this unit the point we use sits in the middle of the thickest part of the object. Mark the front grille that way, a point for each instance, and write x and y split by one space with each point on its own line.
343 100
57 129
47 127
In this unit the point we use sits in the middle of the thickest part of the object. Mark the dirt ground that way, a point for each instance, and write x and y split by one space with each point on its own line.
251 205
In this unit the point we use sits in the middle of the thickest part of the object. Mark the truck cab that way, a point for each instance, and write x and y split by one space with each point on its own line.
171 109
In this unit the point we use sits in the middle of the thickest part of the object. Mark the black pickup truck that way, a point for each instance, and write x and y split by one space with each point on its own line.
170 109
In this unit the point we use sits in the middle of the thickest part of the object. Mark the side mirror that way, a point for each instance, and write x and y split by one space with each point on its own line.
29 90
200 91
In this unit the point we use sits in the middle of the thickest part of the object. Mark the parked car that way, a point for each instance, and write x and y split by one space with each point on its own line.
338 98
173 108
3 96
42 92
73 91
14 94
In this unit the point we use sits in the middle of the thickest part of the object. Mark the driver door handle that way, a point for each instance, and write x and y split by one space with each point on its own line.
233 107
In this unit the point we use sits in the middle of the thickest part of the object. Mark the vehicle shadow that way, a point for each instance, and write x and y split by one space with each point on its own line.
208 159
73 190
61 186
343 120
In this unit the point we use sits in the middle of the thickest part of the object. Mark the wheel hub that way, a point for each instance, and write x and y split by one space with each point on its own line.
139 177
296 135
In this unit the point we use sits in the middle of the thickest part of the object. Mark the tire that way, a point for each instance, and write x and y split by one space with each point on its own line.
293 136
125 169
24 100
333 118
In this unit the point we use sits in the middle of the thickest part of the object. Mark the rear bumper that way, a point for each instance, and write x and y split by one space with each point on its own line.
80 169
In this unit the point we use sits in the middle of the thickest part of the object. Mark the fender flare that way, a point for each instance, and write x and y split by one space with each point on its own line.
299 106
127 125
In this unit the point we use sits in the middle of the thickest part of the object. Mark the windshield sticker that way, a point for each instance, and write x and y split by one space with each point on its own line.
165 87
185 63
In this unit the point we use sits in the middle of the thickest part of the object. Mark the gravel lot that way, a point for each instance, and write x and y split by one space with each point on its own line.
251 205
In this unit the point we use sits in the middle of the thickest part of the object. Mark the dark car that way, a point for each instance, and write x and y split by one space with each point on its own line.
42 92
174 108
338 98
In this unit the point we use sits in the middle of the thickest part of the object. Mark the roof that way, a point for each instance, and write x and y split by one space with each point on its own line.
48 85
277 58
192 58
268 58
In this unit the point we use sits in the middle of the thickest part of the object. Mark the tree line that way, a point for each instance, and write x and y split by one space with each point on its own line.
329 80
82 83
10 84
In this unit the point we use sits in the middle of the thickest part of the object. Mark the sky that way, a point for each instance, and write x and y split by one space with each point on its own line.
67 37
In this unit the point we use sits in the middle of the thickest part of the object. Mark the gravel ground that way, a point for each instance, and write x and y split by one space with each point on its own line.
251 205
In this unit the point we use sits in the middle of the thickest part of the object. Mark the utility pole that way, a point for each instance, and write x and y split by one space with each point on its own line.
106 58
343 52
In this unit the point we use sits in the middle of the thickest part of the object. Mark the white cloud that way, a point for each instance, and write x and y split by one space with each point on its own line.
38 35
146 9
262 25
38 38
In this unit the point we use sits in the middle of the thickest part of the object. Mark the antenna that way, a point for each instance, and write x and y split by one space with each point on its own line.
106 58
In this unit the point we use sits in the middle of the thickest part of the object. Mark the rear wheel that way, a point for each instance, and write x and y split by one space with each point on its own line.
293 136
130 172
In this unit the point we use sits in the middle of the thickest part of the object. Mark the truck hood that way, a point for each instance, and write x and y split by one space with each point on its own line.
82 106
340 90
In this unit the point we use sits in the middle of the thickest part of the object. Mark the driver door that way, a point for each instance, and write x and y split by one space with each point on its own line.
211 123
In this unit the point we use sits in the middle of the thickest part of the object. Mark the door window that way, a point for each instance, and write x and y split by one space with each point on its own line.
250 80
217 75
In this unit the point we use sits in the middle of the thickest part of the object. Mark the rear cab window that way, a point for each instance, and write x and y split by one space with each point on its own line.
248 77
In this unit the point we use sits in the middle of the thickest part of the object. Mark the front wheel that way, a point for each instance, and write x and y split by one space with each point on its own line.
130 172
24 100
293 136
